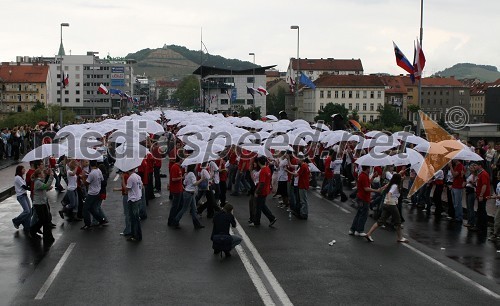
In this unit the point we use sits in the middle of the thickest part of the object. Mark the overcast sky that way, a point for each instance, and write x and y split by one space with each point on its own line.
454 30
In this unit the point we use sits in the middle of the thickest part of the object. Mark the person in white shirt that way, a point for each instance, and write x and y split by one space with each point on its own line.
134 194
22 197
283 180
91 205
390 210
496 227
204 189
71 194
188 197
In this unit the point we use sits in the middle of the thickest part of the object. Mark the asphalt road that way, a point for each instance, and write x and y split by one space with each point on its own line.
290 263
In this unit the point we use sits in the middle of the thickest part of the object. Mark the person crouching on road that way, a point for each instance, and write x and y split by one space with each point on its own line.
222 220
390 209
134 194
40 203
262 191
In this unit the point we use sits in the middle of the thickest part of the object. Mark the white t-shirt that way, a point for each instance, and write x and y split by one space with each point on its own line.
214 171
134 187
388 176
439 175
336 165
255 176
94 180
72 178
189 181
18 183
394 191
282 174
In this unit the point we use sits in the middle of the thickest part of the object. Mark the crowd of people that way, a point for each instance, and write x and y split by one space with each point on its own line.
287 174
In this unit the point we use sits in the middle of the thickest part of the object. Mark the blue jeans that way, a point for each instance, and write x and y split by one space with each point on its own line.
188 203
236 240
135 223
240 182
358 224
303 206
142 205
176 206
91 207
126 212
25 216
456 194
471 214
73 200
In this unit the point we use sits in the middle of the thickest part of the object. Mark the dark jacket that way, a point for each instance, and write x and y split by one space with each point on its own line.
222 221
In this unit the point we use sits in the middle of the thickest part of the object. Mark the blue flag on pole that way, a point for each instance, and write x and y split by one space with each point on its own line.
234 93
306 81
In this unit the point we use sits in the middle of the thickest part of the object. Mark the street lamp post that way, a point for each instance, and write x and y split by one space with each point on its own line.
64 24
253 78
296 27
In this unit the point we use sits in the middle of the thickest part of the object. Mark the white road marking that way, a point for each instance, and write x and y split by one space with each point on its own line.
116 178
450 270
275 285
256 280
53 275
334 204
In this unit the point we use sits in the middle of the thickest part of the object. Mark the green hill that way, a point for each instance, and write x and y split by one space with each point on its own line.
485 73
176 62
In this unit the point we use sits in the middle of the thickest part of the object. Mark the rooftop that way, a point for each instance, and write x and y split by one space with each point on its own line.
349 81
23 73
328 64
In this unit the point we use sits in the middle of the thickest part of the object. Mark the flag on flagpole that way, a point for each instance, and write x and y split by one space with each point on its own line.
64 80
102 89
418 61
402 61
306 81
290 79
253 91
262 90
234 94
115 91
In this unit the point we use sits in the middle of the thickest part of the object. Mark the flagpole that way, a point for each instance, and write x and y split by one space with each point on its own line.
64 24
201 69
297 75
421 74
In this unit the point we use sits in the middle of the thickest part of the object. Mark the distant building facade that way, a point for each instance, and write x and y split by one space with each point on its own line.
440 94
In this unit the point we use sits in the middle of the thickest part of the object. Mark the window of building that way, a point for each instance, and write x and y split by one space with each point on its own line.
329 94
461 92
224 101
77 76
77 68
321 94
364 94
350 106
364 118
357 94
249 79
77 84
321 106
379 106
77 100
434 101
311 72
58 92
364 106
410 89
440 101
379 94
357 106
372 94
77 92
343 94
336 94
58 76
66 100
66 92
372 107
42 96
428 101
249 101
350 94
371 118
58 100
65 68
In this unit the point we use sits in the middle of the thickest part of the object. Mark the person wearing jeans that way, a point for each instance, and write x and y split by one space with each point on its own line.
482 192
261 192
175 190
134 194
363 200
188 198
458 171
22 197
91 205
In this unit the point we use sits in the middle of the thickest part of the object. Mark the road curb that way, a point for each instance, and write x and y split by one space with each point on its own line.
6 193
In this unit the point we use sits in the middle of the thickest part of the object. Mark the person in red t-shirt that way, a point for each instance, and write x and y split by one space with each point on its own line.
158 157
262 190
176 190
328 181
458 172
482 192
304 174
363 198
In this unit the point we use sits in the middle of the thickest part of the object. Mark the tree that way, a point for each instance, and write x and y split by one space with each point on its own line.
37 106
163 96
245 112
276 102
326 113
188 91
389 116
354 115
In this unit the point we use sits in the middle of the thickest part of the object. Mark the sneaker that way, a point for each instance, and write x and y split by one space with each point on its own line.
351 232
251 224
359 234
15 225
272 222
369 238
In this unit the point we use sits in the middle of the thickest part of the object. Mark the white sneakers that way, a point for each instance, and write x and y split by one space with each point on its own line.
357 234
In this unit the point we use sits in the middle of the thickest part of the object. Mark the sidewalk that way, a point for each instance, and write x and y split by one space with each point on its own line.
7 173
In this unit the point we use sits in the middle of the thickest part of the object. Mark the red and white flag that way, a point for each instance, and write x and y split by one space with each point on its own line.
102 89
262 90
418 61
